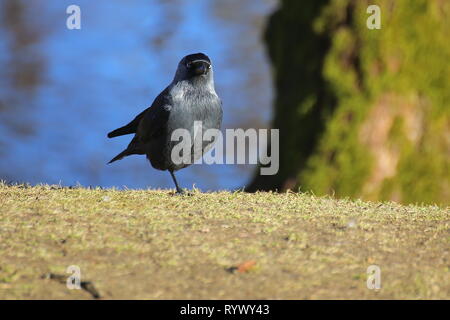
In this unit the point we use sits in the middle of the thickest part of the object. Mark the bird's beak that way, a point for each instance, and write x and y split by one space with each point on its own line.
201 67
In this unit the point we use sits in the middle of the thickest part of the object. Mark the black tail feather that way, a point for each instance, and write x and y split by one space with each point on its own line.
129 128
121 131
120 156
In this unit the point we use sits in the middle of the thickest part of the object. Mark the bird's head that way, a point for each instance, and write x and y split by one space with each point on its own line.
195 66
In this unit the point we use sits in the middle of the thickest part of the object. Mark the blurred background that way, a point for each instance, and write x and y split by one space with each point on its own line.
63 90
362 113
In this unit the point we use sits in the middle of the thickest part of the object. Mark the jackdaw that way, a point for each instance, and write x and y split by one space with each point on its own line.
190 97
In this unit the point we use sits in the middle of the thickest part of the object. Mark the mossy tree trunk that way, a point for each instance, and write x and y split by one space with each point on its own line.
362 113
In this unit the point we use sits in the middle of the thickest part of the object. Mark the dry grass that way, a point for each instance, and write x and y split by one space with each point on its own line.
149 244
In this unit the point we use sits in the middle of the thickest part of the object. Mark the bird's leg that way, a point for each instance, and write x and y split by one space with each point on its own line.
179 190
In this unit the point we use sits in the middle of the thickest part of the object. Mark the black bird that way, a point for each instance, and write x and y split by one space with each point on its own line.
190 97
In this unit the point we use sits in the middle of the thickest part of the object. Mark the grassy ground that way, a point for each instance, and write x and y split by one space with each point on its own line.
149 244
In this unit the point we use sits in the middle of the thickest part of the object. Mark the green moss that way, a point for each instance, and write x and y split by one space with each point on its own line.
336 78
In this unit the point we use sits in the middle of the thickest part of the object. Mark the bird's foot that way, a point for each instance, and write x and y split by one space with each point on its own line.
181 192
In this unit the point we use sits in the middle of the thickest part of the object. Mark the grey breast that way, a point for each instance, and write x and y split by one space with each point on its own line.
188 106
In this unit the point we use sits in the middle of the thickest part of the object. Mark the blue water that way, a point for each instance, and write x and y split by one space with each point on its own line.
93 80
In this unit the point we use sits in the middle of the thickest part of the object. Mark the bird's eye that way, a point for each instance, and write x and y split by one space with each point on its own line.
189 64
209 66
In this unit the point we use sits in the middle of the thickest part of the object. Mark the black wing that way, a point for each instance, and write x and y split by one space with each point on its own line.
154 121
